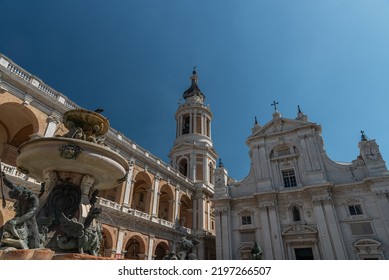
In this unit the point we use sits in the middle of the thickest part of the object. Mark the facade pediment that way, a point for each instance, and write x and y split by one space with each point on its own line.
281 125
299 229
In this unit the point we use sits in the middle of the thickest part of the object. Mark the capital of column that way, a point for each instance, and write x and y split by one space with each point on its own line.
222 211
157 177
52 119
267 204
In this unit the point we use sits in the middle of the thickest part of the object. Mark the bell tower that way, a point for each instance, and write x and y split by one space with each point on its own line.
193 154
370 153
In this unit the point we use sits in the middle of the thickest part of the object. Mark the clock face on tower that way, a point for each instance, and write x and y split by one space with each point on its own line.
371 154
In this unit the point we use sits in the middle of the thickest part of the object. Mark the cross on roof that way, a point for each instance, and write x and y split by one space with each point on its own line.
275 105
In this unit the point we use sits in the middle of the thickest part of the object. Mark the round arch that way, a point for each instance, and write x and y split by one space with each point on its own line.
17 124
140 196
106 243
186 211
183 166
165 205
160 250
135 248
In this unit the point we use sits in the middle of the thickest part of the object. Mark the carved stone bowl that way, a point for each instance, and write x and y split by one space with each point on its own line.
40 156
86 120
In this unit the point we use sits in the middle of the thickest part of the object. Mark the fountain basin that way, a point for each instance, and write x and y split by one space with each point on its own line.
39 156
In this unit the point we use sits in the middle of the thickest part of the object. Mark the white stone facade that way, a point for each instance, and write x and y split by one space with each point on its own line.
298 204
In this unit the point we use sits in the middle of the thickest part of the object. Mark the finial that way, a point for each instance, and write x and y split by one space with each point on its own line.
275 105
299 110
220 163
194 70
256 121
363 136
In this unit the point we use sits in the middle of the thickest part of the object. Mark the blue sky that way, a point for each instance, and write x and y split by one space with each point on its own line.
134 59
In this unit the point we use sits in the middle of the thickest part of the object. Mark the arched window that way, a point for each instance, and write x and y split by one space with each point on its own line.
185 124
183 166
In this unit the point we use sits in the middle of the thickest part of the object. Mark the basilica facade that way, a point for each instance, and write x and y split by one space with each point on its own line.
145 216
296 203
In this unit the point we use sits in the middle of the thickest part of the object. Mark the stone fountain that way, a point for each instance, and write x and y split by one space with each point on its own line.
73 168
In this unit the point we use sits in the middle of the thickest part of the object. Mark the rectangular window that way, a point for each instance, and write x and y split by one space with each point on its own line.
355 210
363 228
289 178
247 236
246 220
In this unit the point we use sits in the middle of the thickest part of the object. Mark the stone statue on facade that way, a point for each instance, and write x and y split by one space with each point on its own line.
256 252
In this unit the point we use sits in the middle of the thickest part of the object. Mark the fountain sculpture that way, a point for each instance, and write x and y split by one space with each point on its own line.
73 168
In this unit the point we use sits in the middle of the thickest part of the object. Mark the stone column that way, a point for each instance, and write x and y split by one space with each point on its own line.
226 235
209 227
210 128
52 122
307 158
192 166
219 235
223 238
150 249
157 178
333 227
276 233
200 210
324 235
119 244
194 217
265 226
176 205
179 126
264 161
